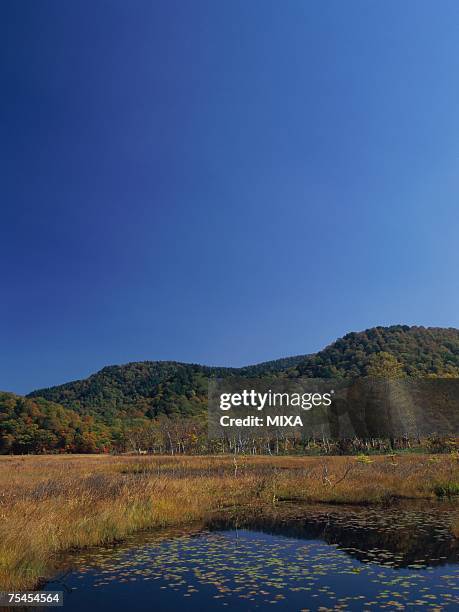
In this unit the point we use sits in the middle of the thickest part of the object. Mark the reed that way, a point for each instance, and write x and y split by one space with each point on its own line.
51 504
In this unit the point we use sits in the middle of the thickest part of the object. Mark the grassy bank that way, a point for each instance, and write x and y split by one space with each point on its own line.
49 504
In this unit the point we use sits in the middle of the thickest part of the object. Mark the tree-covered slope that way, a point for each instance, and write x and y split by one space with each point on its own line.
271 367
422 351
121 406
152 388
136 389
37 425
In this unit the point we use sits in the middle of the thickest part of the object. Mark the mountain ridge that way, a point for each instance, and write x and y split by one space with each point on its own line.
126 406
149 388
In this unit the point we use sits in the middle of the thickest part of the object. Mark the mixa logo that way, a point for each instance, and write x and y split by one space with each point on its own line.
283 420
280 420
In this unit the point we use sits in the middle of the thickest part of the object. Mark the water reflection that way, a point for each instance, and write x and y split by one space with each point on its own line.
292 558
416 534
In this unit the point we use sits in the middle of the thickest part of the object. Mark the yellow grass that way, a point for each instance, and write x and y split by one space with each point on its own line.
50 504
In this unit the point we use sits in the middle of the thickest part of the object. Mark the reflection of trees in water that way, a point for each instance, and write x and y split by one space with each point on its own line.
394 536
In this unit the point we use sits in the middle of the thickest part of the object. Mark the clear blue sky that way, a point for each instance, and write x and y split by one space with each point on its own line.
222 182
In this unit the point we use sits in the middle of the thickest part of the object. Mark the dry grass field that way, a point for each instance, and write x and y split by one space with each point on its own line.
50 504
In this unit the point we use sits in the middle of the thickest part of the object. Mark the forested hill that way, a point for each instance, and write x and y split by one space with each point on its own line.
36 425
120 407
137 389
150 388
422 351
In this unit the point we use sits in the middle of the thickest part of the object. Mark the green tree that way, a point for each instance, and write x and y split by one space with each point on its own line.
384 365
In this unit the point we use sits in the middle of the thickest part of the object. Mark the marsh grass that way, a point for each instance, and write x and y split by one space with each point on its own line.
51 504
447 489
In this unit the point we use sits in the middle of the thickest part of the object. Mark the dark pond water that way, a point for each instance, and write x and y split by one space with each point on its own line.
294 558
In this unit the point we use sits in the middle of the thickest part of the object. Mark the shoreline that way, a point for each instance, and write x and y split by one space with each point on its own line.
52 506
